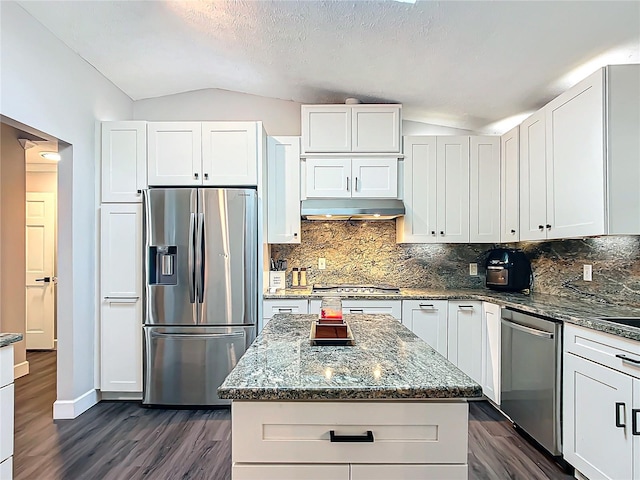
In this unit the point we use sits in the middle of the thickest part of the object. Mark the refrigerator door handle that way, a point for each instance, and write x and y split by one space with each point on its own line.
200 258
198 336
191 267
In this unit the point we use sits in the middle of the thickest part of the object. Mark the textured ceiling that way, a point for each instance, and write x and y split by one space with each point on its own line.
461 64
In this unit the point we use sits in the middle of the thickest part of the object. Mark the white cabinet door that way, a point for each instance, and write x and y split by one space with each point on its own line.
575 160
484 202
510 186
375 177
419 180
6 422
635 420
464 337
272 307
428 320
375 128
491 338
594 397
326 128
124 161
453 189
229 153
329 178
175 153
121 294
283 193
533 179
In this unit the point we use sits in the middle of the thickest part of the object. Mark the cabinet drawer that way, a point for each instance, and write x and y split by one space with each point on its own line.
261 471
408 472
390 307
6 422
299 432
603 348
6 365
272 307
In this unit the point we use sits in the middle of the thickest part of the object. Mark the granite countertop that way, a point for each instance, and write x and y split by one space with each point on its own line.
9 338
584 313
387 362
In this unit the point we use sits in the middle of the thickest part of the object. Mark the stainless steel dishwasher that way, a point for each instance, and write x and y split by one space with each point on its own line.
531 388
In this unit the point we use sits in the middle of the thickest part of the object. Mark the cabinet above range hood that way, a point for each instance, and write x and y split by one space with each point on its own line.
352 208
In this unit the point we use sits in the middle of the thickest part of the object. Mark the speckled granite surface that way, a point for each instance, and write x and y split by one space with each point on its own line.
387 362
9 338
579 312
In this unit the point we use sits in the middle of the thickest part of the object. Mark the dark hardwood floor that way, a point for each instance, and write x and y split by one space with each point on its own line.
123 441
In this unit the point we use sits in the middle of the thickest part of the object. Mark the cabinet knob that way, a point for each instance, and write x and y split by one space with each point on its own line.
206 176
512 232
548 227
195 175
433 232
441 232
541 227
295 234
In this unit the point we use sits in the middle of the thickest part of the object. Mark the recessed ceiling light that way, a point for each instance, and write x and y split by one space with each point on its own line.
51 156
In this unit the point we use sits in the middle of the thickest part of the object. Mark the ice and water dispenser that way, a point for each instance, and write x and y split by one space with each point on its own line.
163 265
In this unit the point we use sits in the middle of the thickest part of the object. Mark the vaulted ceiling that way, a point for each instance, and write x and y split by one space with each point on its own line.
460 64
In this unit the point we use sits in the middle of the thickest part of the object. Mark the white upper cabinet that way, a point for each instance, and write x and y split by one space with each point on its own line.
484 202
453 189
510 186
283 193
351 128
375 129
419 223
175 153
209 153
580 160
345 177
533 179
229 153
124 161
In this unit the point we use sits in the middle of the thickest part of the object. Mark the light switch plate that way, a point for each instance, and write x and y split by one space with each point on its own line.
587 273
473 269
322 263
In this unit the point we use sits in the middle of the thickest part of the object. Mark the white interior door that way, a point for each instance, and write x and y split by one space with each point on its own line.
39 246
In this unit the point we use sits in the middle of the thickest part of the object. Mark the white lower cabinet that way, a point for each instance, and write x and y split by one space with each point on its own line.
464 339
389 307
307 439
491 358
6 412
601 404
6 469
271 307
428 320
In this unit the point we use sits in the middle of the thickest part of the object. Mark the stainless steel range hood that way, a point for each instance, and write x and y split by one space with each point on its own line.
352 208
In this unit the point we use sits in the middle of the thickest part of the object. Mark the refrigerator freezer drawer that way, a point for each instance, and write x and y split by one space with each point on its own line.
186 365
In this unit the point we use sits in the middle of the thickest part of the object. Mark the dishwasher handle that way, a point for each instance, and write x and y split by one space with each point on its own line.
526 329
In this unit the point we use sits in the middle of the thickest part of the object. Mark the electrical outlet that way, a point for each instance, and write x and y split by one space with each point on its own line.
322 263
473 269
587 273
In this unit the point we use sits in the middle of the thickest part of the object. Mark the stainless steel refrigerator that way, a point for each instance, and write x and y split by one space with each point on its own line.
201 296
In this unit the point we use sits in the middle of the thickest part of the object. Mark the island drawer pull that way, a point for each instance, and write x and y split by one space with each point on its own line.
624 358
366 438
425 305
285 310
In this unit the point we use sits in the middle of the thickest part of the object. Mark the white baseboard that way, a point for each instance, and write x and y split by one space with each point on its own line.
21 369
68 409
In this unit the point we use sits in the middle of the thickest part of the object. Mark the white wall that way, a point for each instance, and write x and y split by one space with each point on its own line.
280 117
410 127
64 103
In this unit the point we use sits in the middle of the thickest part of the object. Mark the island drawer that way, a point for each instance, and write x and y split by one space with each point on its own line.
363 432
265 471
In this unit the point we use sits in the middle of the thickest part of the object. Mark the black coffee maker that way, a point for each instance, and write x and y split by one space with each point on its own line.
508 269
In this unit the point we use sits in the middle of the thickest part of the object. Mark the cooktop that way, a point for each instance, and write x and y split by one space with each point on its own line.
355 289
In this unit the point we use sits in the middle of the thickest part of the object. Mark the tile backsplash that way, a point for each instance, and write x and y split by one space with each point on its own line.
367 252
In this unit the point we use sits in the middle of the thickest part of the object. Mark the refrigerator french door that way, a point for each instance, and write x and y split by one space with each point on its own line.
201 291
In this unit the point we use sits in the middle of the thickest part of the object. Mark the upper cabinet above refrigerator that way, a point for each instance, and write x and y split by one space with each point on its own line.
203 153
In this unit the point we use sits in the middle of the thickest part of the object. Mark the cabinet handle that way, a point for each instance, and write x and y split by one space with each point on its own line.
195 175
441 232
356 310
285 310
433 232
45 279
624 358
634 421
356 189
512 232
548 227
426 305
139 192
466 306
366 438
541 227
206 176
619 423
347 184
295 234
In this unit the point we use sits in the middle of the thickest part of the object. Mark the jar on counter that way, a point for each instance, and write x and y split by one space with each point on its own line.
303 277
295 279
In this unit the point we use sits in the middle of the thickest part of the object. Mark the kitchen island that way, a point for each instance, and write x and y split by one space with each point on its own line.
388 407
